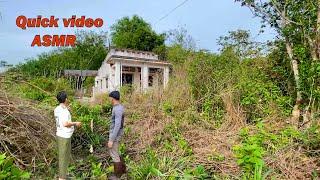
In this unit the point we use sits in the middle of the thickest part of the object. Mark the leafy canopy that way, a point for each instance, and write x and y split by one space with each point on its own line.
135 33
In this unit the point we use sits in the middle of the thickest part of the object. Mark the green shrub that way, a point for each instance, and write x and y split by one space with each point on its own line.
177 54
42 88
148 167
97 171
126 89
85 114
8 170
250 153
311 140
256 97
175 141
88 168
255 145
157 166
259 96
212 75
167 107
198 172
107 109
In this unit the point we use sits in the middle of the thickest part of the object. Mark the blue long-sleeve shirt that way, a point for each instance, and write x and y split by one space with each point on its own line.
117 120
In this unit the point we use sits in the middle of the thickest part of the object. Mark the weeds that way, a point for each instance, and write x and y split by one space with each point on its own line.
250 154
191 129
8 170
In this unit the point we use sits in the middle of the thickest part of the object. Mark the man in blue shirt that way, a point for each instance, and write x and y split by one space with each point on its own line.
116 132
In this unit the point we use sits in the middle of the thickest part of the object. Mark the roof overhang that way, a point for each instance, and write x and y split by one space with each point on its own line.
137 61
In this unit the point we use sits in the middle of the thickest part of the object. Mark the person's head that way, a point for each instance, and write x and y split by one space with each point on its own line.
62 97
114 97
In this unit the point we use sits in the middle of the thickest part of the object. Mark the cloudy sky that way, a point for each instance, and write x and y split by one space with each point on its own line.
205 20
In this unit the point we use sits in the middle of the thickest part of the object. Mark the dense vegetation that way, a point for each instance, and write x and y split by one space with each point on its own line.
135 33
226 115
297 22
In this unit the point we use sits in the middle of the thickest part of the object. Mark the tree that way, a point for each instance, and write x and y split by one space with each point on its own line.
298 24
90 50
135 33
241 43
181 38
180 46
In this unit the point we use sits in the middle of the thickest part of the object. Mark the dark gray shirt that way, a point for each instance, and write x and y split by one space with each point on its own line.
117 120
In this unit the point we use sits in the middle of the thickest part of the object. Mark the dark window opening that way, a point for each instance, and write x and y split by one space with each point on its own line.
127 79
153 70
150 83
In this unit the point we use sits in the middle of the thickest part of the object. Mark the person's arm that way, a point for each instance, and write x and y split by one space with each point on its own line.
69 123
118 119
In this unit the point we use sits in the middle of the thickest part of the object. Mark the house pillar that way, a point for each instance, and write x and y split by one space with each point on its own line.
117 76
136 79
156 80
165 76
145 77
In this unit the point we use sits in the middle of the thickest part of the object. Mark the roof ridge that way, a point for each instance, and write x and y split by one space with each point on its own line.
133 50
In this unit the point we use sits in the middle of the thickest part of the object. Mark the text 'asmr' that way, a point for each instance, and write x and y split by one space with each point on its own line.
52 22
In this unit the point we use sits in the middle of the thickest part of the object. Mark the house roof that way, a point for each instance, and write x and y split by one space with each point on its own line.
137 61
131 54
133 51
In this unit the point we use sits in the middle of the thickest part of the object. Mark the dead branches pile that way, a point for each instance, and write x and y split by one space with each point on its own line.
293 163
26 133
213 148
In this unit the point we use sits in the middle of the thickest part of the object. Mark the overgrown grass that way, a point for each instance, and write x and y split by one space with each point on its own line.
218 118
8 170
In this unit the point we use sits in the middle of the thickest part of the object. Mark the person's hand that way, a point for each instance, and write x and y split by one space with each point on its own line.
110 143
78 124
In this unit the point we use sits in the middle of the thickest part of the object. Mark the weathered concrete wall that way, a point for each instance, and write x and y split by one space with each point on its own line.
102 79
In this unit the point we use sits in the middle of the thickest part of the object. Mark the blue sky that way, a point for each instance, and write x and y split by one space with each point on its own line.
205 20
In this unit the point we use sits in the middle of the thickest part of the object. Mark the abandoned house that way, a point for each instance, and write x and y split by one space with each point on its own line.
139 69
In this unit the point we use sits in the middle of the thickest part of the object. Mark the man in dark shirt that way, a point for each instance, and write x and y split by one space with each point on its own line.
116 132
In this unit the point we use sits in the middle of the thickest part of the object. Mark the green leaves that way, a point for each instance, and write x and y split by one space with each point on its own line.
156 172
9 171
135 33
250 153
240 41
97 170
86 114
167 108
199 172
296 22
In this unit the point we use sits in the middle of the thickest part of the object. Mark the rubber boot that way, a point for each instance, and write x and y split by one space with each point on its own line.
123 166
118 169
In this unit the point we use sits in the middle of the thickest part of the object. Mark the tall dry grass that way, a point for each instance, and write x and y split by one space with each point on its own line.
147 119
